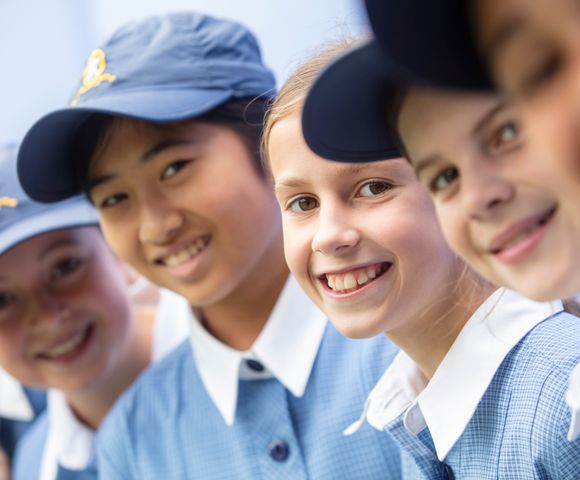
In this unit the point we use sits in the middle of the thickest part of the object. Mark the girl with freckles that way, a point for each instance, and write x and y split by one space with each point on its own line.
478 388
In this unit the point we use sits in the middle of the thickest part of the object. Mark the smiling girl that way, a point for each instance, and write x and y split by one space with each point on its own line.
478 390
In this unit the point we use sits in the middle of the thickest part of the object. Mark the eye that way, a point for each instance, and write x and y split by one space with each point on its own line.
444 179
302 204
6 299
504 139
112 200
65 267
374 188
173 169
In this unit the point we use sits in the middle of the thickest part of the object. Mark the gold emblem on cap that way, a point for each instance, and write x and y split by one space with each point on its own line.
94 74
8 202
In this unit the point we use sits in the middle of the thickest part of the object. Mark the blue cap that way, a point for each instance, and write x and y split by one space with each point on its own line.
346 112
22 218
165 68
430 41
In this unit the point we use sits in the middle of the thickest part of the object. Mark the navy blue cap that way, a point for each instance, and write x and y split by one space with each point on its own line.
430 41
163 69
22 218
346 112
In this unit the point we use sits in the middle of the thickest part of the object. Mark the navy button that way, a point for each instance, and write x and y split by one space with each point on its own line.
279 450
254 365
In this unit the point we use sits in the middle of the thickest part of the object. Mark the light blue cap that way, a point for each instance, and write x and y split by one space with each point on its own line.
22 218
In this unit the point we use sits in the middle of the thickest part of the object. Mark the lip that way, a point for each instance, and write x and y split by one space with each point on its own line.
186 268
503 247
159 258
86 337
346 294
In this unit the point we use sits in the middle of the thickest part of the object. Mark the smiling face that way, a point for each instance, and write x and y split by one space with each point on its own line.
501 208
65 320
186 208
361 238
533 49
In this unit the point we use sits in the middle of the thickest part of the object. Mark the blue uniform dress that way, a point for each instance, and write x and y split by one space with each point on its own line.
19 406
273 412
495 407
60 447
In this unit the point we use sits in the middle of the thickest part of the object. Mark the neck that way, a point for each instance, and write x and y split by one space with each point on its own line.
91 404
428 338
238 320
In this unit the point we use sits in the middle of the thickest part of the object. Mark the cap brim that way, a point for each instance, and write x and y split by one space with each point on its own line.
47 167
429 41
345 113
69 214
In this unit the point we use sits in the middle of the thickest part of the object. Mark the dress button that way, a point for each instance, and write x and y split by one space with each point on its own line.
254 365
279 450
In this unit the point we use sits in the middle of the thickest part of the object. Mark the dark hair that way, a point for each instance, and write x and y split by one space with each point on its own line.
245 116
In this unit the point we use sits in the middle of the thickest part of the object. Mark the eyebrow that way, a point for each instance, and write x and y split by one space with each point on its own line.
145 158
505 34
483 121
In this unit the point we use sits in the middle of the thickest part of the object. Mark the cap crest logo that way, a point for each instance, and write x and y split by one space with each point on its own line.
8 202
93 74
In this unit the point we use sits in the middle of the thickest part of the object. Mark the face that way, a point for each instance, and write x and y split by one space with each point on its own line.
65 320
186 208
533 49
360 238
501 208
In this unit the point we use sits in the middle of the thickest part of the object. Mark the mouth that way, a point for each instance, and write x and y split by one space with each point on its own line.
70 348
355 279
184 253
521 233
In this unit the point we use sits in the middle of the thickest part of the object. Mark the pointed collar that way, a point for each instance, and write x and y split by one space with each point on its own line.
447 402
14 404
286 347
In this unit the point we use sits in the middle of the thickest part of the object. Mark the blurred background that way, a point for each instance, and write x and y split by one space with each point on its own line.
44 44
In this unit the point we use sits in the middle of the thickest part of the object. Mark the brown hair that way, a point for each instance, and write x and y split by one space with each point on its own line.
291 96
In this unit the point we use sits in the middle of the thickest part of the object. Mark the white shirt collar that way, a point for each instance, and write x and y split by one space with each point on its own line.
486 339
286 347
172 324
14 404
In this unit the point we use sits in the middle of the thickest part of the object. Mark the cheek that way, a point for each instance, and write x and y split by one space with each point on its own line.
296 248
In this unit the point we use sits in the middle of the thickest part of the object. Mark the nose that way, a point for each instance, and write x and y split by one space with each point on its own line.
50 309
159 221
485 191
335 234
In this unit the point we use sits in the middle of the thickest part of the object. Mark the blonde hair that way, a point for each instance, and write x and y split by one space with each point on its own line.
291 96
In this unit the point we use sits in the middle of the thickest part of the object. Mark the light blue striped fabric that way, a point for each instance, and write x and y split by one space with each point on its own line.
519 428
167 427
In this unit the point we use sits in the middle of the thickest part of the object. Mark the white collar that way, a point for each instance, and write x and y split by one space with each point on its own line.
14 404
69 442
286 347
486 339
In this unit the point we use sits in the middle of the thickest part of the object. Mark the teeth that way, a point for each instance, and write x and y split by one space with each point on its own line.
183 255
66 347
348 281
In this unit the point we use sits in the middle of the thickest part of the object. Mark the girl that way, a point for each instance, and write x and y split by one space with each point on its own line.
66 324
478 389
173 168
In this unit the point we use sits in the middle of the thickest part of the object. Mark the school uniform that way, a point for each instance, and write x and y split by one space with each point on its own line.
275 411
19 406
495 407
58 446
